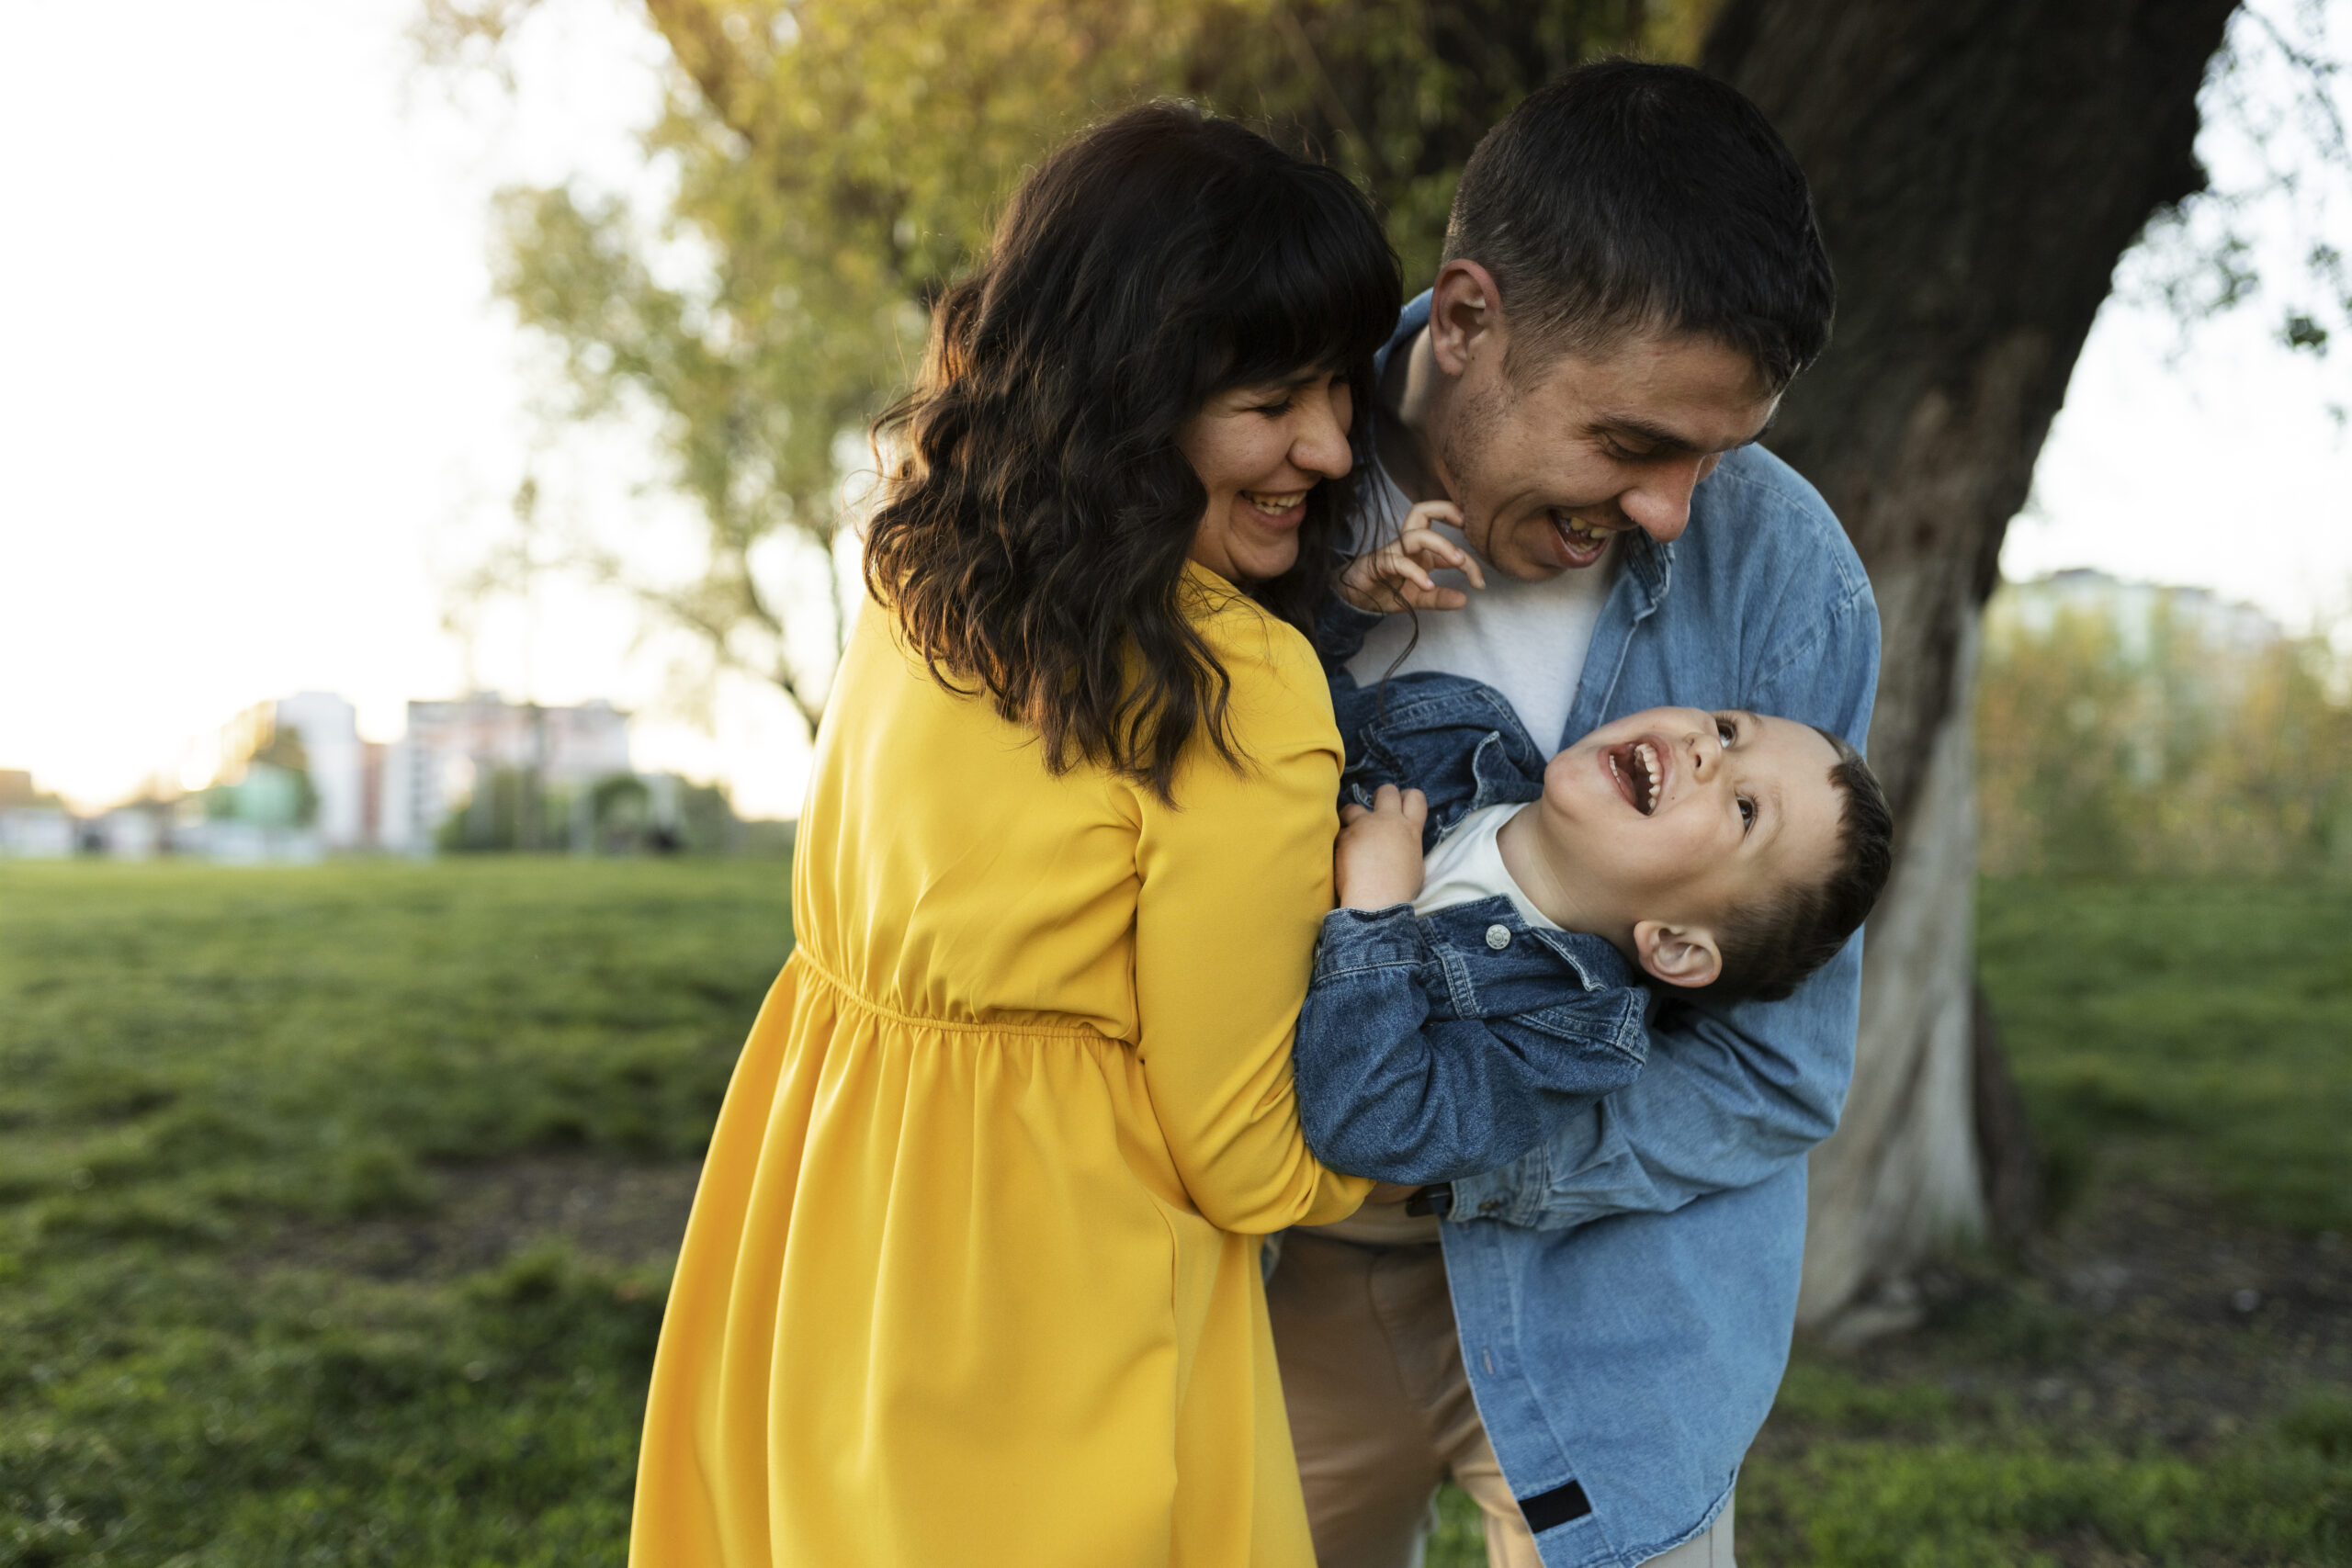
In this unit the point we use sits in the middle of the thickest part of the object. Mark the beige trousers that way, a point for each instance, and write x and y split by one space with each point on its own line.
1381 1411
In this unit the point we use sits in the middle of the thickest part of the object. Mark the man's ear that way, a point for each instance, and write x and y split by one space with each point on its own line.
1679 955
1465 315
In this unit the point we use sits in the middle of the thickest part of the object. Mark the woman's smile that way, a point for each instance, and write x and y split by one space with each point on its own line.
1260 452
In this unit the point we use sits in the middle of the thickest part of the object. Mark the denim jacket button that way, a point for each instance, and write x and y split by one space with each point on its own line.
1498 937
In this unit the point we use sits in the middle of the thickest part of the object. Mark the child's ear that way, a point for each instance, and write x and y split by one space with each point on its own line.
1679 955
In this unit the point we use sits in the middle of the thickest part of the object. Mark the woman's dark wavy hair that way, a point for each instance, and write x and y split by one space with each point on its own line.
1034 527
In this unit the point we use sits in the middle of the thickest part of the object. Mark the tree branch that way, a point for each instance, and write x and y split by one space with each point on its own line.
699 43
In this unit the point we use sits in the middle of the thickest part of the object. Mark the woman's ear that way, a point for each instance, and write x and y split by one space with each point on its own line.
1465 315
1679 955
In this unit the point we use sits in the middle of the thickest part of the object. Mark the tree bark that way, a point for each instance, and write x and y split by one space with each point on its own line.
1979 166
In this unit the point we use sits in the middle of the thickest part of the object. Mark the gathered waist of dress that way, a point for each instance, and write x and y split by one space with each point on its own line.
1042 1025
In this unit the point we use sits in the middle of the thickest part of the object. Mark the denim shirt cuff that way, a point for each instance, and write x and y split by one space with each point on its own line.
1354 941
1514 1194
1340 629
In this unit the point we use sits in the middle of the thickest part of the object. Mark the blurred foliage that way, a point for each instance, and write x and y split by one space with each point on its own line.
2206 1019
830 164
2140 738
2272 228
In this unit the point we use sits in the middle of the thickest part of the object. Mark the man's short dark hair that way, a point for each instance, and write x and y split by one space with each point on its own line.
1629 197
1774 943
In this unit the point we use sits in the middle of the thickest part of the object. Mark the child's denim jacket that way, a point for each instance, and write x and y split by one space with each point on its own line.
1439 1043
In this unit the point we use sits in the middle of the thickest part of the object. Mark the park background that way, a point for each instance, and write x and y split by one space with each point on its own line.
403 350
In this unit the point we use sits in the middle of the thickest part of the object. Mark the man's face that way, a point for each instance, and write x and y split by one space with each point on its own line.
1551 460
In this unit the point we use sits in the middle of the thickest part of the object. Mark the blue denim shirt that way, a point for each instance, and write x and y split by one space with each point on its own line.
1625 1288
1444 1044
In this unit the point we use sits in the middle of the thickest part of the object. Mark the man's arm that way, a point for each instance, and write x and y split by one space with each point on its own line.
1726 1100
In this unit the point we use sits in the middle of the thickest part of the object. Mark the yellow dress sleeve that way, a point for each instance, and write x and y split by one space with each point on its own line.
1236 880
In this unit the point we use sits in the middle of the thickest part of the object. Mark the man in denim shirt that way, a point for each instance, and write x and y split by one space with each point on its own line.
1633 277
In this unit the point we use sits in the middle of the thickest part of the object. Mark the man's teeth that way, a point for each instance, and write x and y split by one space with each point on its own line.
1265 502
1582 534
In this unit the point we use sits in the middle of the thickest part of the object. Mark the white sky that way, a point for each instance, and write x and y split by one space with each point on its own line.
257 409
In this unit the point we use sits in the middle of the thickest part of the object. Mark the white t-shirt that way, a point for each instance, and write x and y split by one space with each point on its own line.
1467 865
1525 640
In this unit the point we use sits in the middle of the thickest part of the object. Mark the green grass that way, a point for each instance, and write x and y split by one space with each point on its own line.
1860 1473
205 1072
191 1059
184 1044
2205 1021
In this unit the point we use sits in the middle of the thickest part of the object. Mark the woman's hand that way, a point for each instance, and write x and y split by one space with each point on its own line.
1396 575
1377 859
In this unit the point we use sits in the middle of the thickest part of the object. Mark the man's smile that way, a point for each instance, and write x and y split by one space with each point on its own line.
1583 539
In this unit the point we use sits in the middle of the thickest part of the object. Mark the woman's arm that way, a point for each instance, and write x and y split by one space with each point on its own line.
1236 879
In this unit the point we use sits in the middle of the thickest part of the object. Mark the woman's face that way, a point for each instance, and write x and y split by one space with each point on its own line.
1259 450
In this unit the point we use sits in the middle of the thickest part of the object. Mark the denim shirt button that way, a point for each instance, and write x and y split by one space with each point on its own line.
1490 1206
1498 937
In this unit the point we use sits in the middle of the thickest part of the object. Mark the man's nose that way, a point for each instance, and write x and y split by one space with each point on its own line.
1320 445
1661 504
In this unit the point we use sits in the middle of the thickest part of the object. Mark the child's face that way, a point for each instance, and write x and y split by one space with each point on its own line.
1681 816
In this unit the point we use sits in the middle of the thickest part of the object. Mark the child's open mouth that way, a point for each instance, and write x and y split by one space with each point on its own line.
1639 773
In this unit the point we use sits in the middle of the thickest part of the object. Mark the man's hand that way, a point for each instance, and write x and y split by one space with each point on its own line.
1396 575
1378 858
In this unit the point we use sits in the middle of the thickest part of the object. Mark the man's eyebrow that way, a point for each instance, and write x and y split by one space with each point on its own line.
1666 440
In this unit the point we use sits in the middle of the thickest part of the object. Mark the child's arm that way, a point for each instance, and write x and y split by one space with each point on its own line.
1377 859
1399 1080
1387 1089
1397 575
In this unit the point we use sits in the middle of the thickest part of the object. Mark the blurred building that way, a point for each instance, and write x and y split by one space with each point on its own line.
455 753
2141 612
328 729
290 779
33 826
37 832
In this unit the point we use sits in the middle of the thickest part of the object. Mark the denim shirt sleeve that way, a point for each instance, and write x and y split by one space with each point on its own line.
1340 632
1730 1094
1426 1052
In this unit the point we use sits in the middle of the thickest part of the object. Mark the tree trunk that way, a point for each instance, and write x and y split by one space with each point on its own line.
1979 166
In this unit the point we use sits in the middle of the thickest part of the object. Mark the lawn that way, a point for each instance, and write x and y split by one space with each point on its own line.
335 1205
229 1098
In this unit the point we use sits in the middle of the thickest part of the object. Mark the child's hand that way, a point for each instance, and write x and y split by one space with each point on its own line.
1396 575
1378 857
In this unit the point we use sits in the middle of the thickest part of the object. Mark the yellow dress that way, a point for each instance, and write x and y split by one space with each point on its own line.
972 1274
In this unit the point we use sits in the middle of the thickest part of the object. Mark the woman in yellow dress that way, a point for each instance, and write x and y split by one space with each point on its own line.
972 1276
